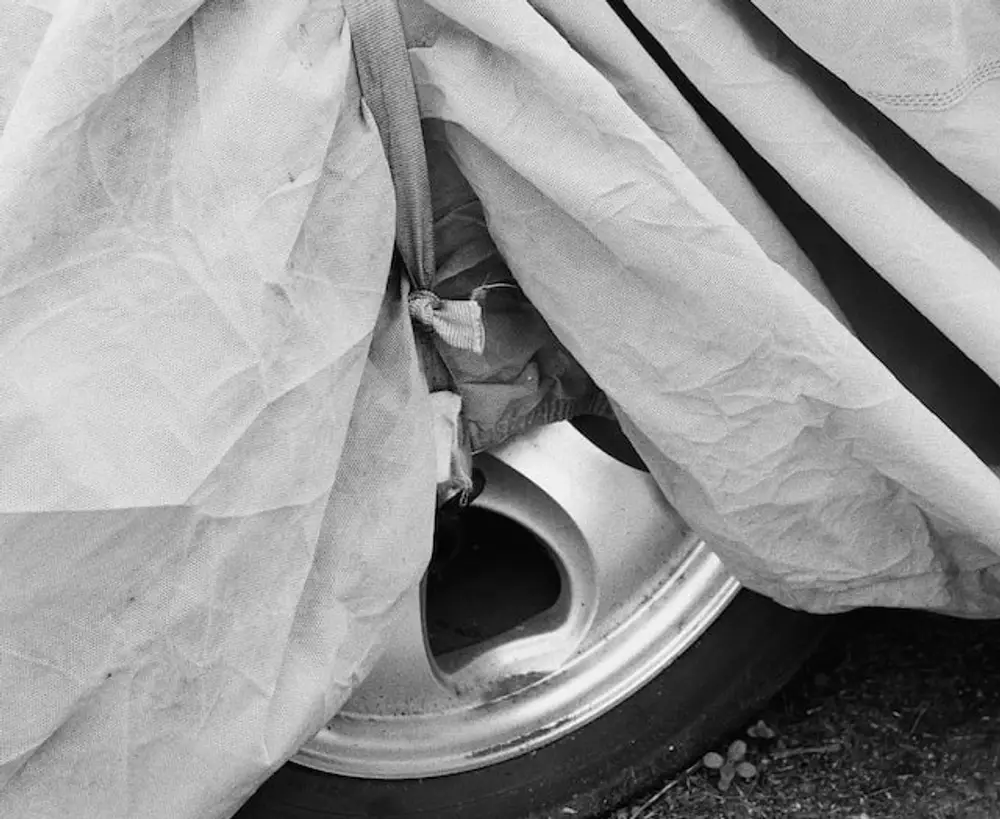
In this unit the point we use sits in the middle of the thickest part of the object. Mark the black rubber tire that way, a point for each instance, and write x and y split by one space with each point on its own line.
741 661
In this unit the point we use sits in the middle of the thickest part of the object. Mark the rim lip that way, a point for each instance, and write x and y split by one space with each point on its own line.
686 599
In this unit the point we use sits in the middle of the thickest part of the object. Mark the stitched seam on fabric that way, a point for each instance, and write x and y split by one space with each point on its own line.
940 99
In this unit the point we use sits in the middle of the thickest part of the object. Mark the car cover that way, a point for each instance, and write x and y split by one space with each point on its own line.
227 410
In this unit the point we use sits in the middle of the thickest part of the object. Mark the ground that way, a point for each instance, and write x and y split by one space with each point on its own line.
896 717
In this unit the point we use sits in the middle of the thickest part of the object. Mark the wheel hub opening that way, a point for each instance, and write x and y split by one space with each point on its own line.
489 575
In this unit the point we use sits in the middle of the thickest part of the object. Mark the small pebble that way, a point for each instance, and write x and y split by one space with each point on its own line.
713 760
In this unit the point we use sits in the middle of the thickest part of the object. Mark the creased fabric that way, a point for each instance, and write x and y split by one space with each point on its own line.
932 67
220 454
820 479
937 246
218 470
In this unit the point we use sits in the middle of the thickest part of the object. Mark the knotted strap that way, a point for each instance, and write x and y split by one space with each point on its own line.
458 323
387 85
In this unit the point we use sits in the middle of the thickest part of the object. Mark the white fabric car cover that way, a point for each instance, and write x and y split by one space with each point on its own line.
218 463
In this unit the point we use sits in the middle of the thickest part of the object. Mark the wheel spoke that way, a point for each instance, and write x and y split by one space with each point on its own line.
405 680
629 531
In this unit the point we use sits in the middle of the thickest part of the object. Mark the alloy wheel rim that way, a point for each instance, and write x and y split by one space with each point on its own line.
637 589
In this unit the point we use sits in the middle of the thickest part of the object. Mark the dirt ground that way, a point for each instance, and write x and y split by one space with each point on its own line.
896 717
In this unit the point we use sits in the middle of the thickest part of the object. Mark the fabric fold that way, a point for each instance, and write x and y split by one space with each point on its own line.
659 293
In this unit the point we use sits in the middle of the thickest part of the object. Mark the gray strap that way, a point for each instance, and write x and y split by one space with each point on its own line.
387 85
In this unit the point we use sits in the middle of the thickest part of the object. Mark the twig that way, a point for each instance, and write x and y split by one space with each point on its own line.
920 715
785 753
656 797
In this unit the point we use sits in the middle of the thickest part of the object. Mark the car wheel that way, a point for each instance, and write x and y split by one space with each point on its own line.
575 644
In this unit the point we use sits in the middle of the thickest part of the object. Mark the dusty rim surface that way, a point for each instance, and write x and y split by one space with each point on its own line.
896 717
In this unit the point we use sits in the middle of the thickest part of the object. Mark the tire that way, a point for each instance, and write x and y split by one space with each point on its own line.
739 649
751 650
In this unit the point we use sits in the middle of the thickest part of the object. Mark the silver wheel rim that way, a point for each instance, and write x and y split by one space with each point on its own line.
637 589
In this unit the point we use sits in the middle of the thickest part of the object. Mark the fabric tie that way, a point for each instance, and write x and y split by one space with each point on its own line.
458 323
